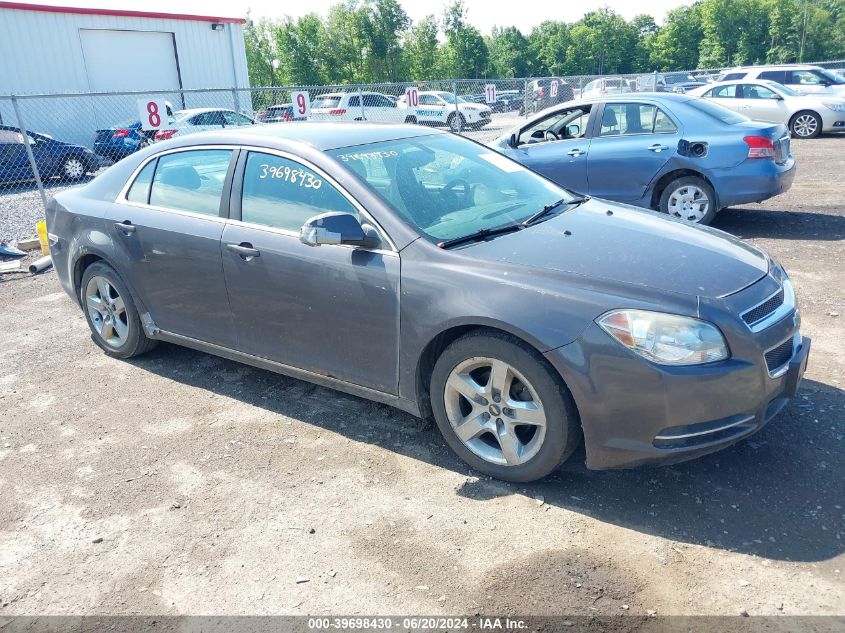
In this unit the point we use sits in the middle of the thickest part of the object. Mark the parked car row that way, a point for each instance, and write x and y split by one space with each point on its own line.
54 159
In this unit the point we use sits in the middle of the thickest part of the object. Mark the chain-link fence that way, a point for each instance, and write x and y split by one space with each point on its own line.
70 137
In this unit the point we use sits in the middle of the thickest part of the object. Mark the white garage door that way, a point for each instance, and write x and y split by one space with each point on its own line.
129 60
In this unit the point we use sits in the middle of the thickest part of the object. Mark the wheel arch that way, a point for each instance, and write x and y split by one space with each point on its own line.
806 111
435 346
665 179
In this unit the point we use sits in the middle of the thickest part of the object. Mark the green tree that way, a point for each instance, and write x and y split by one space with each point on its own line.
386 22
547 46
509 53
302 50
346 30
465 54
676 44
260 52
421 49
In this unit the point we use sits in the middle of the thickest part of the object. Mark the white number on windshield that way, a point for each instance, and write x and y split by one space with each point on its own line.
293 176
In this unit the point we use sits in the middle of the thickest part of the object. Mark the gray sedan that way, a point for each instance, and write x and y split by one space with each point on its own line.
420 269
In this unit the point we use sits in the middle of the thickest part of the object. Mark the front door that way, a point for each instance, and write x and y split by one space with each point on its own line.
557 146
331 309
168 232
761 104
634 142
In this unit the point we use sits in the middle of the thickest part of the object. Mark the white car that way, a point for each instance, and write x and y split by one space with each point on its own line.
200 120
807 116
444 108
356 106
801 78
605 86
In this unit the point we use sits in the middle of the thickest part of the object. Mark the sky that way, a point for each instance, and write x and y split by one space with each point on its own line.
483 14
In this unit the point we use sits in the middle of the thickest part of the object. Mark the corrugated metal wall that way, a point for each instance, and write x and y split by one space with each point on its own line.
41 52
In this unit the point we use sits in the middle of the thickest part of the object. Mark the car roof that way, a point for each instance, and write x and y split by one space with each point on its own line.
320 135
773 67
193 111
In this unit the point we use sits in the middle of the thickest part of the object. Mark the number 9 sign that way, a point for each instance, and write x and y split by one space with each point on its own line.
153 114
301 104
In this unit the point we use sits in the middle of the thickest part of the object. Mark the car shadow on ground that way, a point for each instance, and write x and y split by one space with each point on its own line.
778 494
782 225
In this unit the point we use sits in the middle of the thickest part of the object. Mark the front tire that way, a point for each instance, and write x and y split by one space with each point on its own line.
111 313
501 407
456 122
805 124
411 120
689 198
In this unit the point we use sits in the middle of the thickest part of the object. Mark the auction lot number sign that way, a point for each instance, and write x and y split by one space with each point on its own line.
153 113
301 104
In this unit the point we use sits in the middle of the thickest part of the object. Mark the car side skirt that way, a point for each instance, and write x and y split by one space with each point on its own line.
280 368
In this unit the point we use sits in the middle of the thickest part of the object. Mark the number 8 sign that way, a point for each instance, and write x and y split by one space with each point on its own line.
301 105
153 114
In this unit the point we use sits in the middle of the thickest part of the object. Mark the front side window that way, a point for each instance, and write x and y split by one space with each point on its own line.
446 186
625 119
570 123
805 78
191 181
233 118
429 100
329 101
753 91
283 194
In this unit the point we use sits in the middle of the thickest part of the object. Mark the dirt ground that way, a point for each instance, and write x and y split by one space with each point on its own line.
180 483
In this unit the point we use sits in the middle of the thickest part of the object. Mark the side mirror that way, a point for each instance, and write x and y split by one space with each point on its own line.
337 228
775 96
573 130
513 141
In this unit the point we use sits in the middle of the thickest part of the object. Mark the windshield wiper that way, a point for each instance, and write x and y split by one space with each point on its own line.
480 235
551 207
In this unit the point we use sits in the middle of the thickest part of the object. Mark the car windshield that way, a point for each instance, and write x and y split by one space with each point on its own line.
448 97
784 89
326 102
716 111
832 77
446 186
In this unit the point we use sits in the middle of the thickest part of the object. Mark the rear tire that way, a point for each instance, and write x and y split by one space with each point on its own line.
502 408
73 169
412 120
805 124
689 198
111 313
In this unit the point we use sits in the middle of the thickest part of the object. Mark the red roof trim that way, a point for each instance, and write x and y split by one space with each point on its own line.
46 8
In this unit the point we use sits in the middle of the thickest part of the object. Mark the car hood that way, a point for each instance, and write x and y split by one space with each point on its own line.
632 246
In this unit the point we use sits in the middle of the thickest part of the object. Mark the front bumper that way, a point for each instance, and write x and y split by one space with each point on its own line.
634 412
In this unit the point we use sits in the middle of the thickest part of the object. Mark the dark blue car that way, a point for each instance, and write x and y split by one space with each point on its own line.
121 140
681 155
54 158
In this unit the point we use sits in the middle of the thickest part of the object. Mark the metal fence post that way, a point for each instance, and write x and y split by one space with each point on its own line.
525 100
361 103
29 154
457 111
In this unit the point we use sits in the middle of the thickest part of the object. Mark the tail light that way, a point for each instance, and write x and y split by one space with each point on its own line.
163 135
121 133
760 147
338 111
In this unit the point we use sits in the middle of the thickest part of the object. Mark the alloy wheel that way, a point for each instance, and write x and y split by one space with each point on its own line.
73 168
805 125
689 203
107 311
495 411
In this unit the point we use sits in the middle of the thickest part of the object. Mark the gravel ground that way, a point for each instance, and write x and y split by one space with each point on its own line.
180 483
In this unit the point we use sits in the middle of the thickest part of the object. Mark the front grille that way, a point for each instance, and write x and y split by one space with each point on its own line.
778 356
760 312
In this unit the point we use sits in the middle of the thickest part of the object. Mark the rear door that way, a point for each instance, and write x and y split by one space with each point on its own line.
168 227
724 96
557 146
331 310
633 142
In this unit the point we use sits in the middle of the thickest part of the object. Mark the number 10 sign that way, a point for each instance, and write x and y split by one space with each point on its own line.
153 114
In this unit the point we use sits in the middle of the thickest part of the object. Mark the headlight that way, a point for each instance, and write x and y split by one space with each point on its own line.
668 339
836 107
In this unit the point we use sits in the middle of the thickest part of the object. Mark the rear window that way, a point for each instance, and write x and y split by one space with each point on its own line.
778 76
732 76
191 181
326 102
715 111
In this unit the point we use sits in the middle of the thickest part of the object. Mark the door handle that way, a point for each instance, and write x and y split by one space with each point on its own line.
126 227
576 152
245 250
657 148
